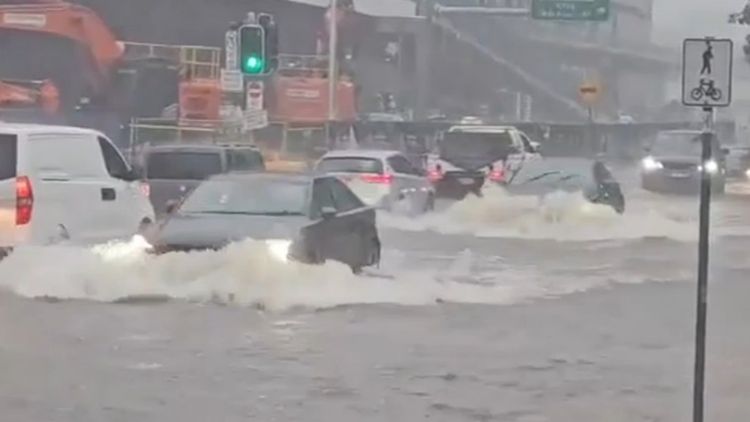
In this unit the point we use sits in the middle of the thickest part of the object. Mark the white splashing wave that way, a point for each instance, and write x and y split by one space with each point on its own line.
559 216
244 273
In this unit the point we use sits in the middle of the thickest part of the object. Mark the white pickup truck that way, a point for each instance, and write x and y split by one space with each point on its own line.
470 156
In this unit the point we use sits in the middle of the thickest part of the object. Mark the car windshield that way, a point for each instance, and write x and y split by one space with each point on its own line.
351 165
179 165
250 197
677 143
244 160
473 150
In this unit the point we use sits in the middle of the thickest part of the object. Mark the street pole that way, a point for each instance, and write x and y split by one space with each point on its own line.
332 75
702 299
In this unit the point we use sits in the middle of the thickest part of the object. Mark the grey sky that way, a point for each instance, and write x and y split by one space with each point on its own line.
678 19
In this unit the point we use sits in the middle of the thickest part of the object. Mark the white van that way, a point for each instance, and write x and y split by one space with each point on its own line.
66 184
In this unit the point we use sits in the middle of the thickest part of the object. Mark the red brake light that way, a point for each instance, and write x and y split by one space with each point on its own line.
497 175
24 201
146 189
434 175
377 178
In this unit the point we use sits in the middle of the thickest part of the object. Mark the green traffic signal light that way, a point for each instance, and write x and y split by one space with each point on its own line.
252 49
253 64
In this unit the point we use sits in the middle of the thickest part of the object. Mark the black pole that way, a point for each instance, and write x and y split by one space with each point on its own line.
702 300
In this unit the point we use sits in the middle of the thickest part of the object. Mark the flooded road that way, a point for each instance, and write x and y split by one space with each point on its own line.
492 310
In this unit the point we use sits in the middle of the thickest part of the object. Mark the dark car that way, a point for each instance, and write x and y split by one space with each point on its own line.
173 171
673 163
309 219
738 162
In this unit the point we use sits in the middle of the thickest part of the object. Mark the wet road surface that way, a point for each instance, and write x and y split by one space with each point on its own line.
519 316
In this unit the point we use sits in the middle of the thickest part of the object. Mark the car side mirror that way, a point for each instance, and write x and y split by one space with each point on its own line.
132 175
725 151
172 206
328 212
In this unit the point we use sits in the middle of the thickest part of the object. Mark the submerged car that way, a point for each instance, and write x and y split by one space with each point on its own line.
673 163
309 219
738 162
594 180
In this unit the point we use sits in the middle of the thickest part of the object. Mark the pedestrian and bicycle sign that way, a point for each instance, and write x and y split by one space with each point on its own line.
707 72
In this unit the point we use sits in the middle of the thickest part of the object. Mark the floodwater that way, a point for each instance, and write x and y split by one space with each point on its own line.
493 309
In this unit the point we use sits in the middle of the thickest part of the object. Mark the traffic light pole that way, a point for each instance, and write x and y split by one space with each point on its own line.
332 74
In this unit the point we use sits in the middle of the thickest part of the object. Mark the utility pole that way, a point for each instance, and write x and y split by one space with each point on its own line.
332 68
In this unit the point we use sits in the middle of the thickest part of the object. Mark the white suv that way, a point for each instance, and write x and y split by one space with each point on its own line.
382 179
66 184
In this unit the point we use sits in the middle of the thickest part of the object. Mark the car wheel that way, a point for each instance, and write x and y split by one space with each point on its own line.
371 256
145 228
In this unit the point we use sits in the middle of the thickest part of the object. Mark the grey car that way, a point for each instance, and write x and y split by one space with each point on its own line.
173 171
673 163
304 218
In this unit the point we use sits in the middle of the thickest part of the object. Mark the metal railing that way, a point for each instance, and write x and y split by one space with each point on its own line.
196 61
159 131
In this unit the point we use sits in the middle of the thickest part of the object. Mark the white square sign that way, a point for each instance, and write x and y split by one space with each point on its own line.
707 72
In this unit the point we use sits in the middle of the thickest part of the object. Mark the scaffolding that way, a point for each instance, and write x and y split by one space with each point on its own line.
195 61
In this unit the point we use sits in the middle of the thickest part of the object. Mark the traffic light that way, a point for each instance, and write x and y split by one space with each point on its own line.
271 40
252 49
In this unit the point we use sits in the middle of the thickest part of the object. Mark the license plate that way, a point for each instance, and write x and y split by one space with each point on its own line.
466 181
680 174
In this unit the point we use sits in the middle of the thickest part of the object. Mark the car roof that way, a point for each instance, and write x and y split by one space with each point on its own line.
196 147
250 176
361 153
683 132
32 128
482 128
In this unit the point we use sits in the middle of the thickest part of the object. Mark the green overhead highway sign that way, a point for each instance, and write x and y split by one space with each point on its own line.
570 10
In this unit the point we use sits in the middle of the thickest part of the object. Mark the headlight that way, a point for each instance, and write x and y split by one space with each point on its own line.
279 249
710 166
747 173
650 164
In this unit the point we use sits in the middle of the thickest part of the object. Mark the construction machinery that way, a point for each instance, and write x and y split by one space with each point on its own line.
63 58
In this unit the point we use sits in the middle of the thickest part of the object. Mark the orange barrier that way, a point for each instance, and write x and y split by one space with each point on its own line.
305 100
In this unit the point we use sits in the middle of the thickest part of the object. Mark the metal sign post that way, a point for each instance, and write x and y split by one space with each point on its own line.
706 83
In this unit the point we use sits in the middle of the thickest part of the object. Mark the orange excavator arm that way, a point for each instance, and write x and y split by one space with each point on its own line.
75 22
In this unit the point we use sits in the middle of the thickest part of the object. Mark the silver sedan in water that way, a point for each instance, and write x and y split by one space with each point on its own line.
306 219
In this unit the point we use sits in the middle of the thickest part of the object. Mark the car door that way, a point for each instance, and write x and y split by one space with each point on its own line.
357 221
123 200
67 175
517 158
327 236
410 183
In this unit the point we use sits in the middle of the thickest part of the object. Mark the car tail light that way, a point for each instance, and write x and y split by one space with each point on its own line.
435 174
496 175
145 189
24 201
384 179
